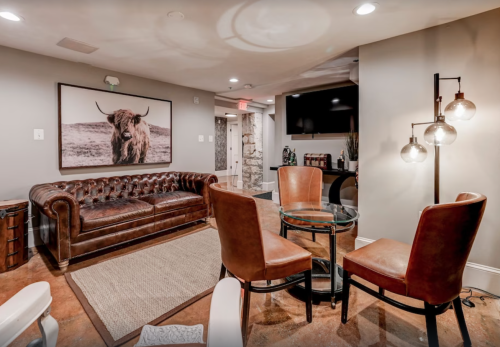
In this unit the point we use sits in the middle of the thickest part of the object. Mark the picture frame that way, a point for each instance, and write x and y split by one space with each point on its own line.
102 128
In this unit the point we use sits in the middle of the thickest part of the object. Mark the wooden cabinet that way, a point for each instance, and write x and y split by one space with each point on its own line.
13 234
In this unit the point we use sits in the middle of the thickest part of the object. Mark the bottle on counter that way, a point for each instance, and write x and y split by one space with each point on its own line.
341 161
293 158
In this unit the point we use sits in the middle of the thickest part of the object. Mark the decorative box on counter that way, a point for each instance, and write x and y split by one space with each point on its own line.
320 160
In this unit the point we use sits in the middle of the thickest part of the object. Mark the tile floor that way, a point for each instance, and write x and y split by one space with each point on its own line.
276 319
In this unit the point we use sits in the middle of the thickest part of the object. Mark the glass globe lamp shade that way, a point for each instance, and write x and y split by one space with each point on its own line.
460 108
440 133
413 152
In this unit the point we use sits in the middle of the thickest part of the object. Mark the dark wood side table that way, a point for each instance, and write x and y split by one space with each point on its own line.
13 234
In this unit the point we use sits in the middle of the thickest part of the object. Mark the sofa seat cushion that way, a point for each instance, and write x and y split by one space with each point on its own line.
170 201
114 211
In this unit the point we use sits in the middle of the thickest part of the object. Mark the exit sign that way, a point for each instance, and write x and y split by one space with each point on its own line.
242 105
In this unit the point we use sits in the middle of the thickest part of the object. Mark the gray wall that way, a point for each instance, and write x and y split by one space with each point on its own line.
220 143
28 89
396 89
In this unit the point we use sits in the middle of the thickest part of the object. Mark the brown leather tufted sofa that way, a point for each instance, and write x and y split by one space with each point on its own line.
76 218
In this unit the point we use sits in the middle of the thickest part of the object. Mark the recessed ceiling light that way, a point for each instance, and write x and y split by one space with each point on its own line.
233 80
10 16
230 115
365 8
270 100
175 15
248 86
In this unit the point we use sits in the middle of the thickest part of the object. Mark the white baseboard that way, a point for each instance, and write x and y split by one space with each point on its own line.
276 197
267 185
239 184
475 275
222 173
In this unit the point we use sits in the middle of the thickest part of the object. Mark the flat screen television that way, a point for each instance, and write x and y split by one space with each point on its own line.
323 112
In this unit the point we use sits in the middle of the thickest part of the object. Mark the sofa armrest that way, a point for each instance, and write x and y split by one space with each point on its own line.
198 183
45 195
56 204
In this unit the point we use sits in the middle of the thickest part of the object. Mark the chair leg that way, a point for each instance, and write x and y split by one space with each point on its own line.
314 237
285 231
222 272
246 312
269 282
381 291
346 286
457 307
308 287
430 322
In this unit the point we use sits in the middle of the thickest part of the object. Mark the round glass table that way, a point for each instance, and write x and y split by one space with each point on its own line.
320 218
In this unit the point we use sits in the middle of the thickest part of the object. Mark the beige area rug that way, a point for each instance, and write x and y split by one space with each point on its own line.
123 294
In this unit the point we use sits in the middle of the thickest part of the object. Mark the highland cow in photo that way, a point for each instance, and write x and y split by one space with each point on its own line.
108 128
130 139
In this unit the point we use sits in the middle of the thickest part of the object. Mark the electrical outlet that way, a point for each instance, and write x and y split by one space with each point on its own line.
38 134
201 138
196 100
210 138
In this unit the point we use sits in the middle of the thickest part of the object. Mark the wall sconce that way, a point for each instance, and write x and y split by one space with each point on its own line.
439 133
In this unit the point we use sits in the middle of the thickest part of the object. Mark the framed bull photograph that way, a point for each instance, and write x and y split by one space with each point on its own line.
105 128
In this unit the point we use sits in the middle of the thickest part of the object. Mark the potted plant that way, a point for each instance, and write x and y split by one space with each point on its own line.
352 147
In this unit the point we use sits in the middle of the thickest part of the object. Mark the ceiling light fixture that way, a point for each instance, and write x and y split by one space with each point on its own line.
270 100
176 15
365 8
248 86
295 96
233 80
230 115
10 16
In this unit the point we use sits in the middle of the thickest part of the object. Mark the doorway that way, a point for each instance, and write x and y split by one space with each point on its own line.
233 157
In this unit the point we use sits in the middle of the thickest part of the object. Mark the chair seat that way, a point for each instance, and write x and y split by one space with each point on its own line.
169 201
383 263
283 257
114 211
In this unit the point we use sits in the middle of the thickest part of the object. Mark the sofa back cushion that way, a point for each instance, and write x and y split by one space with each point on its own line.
91 191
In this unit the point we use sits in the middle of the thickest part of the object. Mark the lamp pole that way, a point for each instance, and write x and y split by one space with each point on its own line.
436 148
438 132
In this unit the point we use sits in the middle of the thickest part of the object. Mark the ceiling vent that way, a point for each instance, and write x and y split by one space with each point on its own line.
78 46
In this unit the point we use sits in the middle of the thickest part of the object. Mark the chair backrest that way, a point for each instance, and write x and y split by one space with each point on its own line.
442 244
240 233
224 324
299 184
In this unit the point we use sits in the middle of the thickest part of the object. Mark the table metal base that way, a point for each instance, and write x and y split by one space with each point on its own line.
322 279
321 283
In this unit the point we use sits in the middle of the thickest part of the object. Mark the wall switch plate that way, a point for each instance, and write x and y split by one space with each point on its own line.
201 138
196 100
38 134
210 138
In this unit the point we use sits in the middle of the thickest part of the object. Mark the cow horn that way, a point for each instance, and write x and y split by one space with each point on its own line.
107 114
144 115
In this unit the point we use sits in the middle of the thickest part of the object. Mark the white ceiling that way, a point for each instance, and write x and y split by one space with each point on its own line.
275 45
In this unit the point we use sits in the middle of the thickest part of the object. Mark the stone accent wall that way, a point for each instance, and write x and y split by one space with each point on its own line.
252 151
220 143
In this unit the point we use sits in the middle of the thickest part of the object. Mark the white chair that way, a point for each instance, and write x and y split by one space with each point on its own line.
224 328
33 302
19 312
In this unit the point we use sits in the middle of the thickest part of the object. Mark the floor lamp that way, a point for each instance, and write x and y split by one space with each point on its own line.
439 133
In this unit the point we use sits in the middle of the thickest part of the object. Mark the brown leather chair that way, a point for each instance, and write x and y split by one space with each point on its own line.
252 254
430 270
299 184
